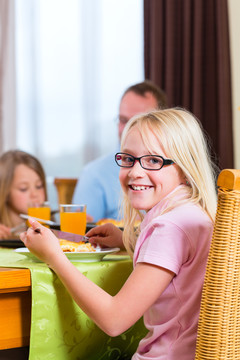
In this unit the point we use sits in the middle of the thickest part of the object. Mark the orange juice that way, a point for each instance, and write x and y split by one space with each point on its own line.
41 212
74 222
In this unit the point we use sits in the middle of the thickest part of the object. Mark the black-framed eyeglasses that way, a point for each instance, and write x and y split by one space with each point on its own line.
147 162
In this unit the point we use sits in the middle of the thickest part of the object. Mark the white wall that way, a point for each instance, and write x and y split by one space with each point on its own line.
234 23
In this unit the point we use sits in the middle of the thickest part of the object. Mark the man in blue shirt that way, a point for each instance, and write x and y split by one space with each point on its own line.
98 186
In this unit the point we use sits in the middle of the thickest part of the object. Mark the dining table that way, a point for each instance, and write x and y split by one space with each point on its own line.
37 311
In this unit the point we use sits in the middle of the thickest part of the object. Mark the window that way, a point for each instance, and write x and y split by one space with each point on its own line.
74 59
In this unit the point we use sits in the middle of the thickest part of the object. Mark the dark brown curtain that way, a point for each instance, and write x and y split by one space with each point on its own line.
186 52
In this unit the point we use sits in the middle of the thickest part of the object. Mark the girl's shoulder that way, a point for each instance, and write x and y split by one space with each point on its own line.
187 213
186 216
185 209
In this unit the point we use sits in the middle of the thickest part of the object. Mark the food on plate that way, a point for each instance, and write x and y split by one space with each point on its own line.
112 221
70 246
118 223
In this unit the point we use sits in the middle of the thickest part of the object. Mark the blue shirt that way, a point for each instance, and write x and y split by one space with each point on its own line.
99 188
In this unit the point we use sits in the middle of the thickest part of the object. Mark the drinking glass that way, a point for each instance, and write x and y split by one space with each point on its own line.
73 218
41 211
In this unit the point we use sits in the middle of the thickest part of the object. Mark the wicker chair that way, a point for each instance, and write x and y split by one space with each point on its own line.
219 321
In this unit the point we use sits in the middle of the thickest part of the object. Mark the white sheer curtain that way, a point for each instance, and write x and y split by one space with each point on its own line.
7 76
74 60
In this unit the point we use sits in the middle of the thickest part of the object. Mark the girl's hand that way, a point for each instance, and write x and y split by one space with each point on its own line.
107 235
44 244
89 218
5 232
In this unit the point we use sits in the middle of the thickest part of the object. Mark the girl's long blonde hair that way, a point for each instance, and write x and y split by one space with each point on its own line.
8 163
181 136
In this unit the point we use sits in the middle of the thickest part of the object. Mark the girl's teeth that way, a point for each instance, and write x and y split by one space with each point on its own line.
139 187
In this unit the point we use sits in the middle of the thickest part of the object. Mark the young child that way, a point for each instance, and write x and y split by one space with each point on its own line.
22 183
165 172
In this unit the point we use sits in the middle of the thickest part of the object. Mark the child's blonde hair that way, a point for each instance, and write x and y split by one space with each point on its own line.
8 163
181 136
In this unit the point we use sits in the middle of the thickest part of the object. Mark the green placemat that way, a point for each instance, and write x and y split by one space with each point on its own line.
59 328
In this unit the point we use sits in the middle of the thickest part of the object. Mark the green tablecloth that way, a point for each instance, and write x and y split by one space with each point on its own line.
59 328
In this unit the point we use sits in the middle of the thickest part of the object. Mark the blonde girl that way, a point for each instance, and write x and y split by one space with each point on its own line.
22 182
167 178
187 146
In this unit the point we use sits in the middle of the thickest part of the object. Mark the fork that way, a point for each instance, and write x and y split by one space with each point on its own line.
18 227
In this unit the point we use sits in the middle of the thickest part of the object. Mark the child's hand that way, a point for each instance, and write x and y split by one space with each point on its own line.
89 218
107 235
5 232
43 244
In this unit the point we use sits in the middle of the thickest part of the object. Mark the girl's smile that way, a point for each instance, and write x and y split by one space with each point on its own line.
139 187
145 188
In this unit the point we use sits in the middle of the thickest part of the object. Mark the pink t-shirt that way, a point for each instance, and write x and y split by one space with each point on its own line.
179 241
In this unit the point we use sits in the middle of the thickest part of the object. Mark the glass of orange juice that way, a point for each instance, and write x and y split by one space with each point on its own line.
42 211
73 218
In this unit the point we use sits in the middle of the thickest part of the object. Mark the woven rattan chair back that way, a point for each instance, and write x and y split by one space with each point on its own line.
219 321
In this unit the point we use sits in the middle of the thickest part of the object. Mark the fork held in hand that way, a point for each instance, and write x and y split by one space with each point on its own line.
18 227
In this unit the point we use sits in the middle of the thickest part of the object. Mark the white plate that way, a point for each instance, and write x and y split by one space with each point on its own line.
75 256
